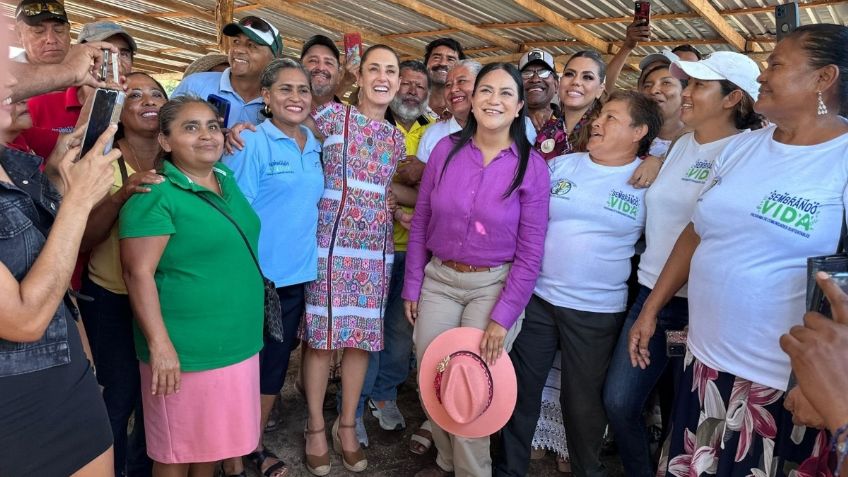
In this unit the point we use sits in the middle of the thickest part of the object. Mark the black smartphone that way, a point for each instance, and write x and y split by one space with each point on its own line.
642 13
222 106
105 110
785 19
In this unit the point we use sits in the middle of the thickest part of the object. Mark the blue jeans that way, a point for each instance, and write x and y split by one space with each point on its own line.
389 368
628 388
108 324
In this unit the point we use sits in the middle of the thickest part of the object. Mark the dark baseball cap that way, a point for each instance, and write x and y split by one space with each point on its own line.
320 40
33 12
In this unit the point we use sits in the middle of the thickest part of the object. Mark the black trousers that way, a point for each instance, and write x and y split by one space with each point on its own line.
587 341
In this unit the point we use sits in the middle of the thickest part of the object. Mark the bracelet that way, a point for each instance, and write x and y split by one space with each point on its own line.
840 448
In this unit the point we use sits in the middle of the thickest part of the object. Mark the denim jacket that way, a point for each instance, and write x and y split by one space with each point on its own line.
26 209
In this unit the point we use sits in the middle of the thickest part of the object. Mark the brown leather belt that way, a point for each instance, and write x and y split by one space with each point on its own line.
465 268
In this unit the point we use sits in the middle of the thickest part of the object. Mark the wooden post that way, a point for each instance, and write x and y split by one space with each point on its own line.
223 15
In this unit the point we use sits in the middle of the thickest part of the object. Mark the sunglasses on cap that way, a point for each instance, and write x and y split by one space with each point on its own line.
33 9
256 23
542 73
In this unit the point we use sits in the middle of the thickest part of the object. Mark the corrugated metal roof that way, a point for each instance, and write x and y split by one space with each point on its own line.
191 35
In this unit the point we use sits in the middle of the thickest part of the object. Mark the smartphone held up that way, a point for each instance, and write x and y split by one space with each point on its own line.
106 106
642 13
353 47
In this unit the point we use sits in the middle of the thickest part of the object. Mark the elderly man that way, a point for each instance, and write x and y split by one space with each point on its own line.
43 31
538 71
439 56
253 44
388 368
59 112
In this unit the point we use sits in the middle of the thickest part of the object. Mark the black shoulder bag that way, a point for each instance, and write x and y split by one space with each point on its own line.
273 310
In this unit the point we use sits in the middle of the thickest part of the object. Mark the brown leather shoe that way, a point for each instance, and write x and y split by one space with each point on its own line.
353 461
317 464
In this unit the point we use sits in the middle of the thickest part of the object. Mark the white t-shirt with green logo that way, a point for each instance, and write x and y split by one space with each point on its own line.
596 217
765 208
671 199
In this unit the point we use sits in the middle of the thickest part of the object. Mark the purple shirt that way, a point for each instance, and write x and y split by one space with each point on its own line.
463 216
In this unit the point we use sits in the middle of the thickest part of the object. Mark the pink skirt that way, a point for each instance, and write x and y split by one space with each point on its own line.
214 416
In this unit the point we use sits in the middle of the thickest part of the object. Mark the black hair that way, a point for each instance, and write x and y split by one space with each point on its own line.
416 66
689 48
120 133
517 130
644 111
825 45
448 42
585 132
744 116
168 114
594 56
659 66
378 46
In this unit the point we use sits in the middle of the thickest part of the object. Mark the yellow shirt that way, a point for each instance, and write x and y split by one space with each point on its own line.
412 137
104 266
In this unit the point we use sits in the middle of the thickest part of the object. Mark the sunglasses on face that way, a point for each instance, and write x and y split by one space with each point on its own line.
543 74
256 23
34 9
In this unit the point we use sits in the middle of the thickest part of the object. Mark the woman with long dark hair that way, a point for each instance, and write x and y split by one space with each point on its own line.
476 242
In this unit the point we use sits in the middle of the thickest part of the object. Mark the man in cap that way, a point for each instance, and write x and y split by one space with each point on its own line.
59 112
439 56
253 44
321 58
43 31
538 72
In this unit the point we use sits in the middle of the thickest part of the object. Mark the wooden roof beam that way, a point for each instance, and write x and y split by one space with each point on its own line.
317 18
223 16
557 21
514 57
417 34
144 18
714 19
454 22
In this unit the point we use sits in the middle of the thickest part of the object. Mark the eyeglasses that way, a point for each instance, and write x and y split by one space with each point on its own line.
33 9
256 23
543 74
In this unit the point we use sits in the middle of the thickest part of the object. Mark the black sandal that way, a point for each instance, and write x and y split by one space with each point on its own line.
258 458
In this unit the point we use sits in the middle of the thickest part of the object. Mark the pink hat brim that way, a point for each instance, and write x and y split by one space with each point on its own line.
503 379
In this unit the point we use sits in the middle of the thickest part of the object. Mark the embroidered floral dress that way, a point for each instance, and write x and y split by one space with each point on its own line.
345 304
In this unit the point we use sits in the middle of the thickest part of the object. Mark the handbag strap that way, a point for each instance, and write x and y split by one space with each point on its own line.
840 247
236 225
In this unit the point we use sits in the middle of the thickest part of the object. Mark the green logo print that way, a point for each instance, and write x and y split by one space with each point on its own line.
698 172
793 213
622 203
561 187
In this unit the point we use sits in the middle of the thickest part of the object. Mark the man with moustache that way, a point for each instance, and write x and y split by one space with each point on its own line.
538 71
253 44
439 56
320 56
388 368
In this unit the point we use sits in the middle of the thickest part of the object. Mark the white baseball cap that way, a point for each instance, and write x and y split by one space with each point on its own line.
722 65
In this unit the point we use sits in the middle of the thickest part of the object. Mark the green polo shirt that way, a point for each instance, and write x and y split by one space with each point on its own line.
210 292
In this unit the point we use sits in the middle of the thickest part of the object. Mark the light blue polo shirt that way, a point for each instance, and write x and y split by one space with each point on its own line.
206 83
284 186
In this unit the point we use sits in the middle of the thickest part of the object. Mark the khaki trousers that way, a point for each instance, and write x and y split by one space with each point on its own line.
450 299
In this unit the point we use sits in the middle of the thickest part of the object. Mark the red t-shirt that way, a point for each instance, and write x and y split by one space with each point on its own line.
52 114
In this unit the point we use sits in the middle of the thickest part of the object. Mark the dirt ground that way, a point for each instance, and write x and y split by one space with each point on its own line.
388 453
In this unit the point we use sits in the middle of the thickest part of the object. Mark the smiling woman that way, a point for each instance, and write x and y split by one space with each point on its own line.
345 305
477 231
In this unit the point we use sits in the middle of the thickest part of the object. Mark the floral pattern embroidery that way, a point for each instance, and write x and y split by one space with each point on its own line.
345 304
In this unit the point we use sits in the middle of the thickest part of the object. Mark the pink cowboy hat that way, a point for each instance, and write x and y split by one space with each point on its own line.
461 393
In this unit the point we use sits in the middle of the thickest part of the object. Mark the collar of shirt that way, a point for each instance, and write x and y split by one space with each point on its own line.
227 85
179 179
18 164
276 134
512 150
